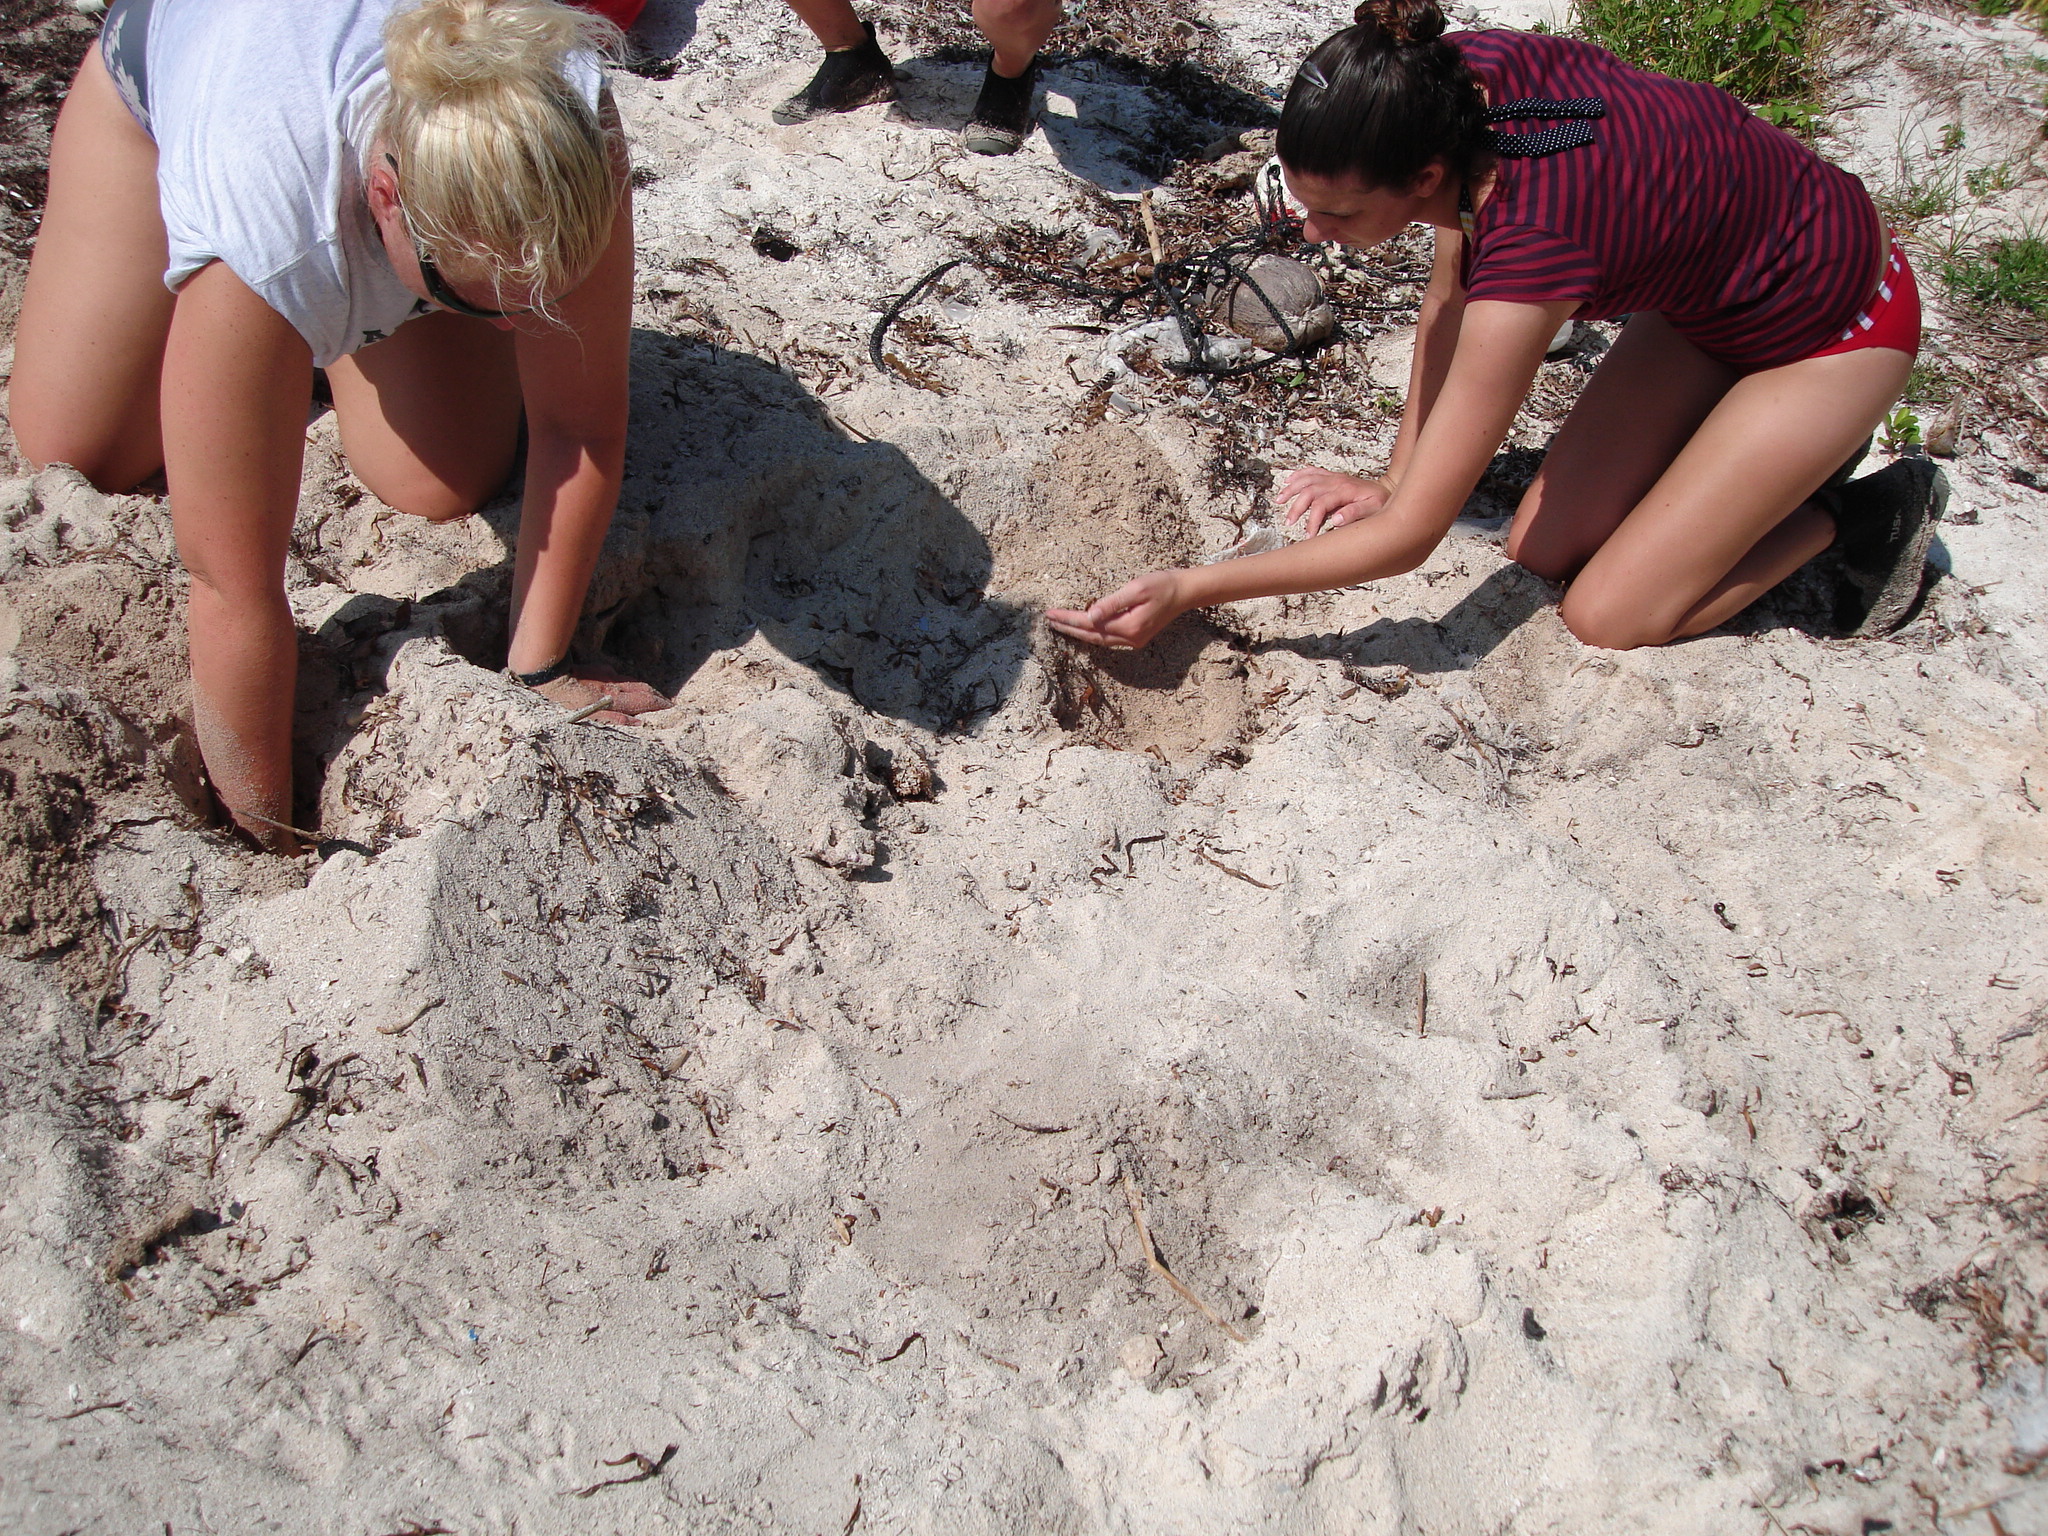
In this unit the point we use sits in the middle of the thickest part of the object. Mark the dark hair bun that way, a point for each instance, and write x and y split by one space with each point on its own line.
1402 23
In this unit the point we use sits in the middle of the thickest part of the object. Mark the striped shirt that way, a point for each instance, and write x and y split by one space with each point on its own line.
1684 202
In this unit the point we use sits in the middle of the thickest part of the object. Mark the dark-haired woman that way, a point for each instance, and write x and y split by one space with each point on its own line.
1773 326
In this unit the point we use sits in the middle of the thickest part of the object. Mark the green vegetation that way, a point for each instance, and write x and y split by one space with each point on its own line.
1939 184
2010 272
1757 50
2033 10
1990 180
1930 385
1901 430
1923 192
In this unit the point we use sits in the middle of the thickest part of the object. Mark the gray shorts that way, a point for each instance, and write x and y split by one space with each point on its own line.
124 49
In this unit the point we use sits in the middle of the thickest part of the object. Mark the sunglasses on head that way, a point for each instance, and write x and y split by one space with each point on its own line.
436 285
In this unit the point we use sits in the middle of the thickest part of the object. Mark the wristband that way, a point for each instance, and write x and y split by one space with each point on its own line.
547 674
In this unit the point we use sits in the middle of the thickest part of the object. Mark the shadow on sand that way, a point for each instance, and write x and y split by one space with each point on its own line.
746 511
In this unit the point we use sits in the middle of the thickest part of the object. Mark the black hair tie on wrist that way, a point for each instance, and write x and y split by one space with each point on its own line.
547 674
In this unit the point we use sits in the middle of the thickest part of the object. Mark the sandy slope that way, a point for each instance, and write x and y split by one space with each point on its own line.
1587 1092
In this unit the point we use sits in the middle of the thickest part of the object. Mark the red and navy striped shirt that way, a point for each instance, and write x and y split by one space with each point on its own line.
1753 247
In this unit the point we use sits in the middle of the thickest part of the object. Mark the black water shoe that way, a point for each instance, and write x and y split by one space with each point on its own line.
849 78
1883 524
1002 113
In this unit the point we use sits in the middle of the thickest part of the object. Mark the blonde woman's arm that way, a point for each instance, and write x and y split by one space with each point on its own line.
1499 348
573 377
237 380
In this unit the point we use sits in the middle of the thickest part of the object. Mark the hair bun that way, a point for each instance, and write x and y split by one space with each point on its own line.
1402 23
439 48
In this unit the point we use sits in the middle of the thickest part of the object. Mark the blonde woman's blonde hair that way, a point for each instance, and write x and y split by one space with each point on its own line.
502 165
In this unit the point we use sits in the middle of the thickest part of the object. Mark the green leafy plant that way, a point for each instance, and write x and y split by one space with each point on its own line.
1900 432
1990 180
2008 272
1758 50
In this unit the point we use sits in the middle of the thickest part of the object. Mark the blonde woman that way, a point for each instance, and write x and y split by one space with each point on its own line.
429 201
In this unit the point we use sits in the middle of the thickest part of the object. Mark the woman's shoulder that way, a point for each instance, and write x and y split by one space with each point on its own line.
1537 56
1506 44
1523 65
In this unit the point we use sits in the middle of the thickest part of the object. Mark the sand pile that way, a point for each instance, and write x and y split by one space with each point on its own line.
1569 1091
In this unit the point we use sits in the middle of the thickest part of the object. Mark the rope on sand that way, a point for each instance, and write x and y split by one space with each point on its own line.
1172 287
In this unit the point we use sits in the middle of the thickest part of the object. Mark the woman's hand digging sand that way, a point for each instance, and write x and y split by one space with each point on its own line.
581 687
1129 617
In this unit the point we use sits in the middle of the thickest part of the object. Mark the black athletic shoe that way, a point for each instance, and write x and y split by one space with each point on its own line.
849 78
1883 524
1002 113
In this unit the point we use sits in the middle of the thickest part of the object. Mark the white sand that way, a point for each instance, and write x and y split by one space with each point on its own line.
1602 1089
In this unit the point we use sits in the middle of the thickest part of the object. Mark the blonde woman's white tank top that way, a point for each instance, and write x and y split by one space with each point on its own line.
263 114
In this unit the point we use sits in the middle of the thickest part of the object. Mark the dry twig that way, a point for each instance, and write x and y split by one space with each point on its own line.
644 1469
1153 1262
1036 1130
1204 855
1151 228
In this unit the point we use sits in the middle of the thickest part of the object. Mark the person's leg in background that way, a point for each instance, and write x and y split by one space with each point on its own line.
855 72
1016 30
89 346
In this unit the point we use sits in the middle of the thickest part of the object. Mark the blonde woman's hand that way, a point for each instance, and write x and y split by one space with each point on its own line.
1129 617
1322 498
581 687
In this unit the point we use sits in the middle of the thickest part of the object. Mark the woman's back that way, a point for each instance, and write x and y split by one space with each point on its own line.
1684 203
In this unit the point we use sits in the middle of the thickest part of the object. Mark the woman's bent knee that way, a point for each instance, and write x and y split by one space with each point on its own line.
1610 627
1542 563
112 468
421 493
1540 556
436 503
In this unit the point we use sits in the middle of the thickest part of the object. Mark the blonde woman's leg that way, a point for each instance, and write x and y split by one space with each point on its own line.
430 415
89 347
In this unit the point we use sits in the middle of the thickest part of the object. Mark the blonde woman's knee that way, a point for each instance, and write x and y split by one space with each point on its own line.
114 462
420 492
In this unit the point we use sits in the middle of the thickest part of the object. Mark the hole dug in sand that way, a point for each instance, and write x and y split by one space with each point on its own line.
1106 507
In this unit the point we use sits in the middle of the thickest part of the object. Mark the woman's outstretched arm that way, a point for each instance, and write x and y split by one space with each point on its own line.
1499 349
237 380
